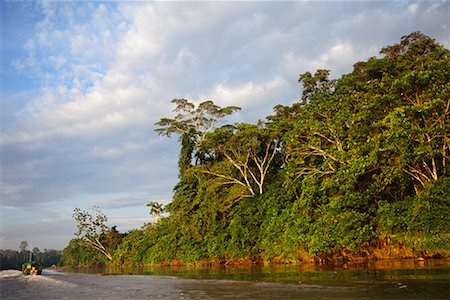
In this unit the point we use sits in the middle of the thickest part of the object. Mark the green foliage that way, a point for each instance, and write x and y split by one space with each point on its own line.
195 122
10 259
93 232
357 160
133 247
76 254
420 221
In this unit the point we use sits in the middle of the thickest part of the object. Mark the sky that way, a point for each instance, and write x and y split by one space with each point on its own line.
82 84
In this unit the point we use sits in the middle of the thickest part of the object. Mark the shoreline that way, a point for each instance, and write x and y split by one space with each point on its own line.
248 263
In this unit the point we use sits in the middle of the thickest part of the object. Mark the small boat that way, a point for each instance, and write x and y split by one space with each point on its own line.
31 268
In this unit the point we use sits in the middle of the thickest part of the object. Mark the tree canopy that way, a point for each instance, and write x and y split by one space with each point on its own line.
357 167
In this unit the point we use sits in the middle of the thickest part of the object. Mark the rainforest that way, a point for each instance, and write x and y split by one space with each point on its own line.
357 168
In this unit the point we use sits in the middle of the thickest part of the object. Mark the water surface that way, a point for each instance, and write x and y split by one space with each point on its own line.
396 279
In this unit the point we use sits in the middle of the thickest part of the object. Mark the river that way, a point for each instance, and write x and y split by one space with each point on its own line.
406 279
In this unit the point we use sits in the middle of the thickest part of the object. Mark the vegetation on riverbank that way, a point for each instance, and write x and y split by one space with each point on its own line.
11 259
358 167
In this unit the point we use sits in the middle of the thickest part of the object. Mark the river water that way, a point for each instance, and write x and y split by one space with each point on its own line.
406 279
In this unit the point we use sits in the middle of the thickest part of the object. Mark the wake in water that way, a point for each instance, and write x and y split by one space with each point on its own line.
10 273
46 277
15 285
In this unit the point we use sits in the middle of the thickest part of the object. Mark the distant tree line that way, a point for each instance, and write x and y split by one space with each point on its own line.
12 259
357 167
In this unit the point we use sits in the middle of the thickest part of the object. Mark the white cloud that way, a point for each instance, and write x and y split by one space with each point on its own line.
57 61
412 8
30 46
105 72
80 44
246 94
339 58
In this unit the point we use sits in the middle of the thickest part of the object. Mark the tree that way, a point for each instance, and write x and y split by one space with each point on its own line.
316 139
312 84
370 147
156 209
77 254
247 151
417 130
23 246
10 259
194 122
358 167
134 245
91 227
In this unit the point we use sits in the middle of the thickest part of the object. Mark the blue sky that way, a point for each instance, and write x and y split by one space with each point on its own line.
82 84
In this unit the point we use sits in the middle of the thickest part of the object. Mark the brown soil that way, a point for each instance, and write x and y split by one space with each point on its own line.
376 251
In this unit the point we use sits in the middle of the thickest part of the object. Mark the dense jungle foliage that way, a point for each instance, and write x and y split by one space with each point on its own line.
358 167
11 259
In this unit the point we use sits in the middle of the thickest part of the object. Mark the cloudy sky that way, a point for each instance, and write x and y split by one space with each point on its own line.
82 85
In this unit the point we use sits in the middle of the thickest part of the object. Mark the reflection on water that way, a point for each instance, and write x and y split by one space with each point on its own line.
399 279
432 269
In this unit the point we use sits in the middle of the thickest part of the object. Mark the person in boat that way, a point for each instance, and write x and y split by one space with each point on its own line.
31 268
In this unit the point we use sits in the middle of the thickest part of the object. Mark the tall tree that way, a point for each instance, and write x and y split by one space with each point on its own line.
91 228
195 122
247 152
23 246
418 129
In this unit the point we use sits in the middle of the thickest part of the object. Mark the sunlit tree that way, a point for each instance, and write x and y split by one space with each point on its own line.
91 226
